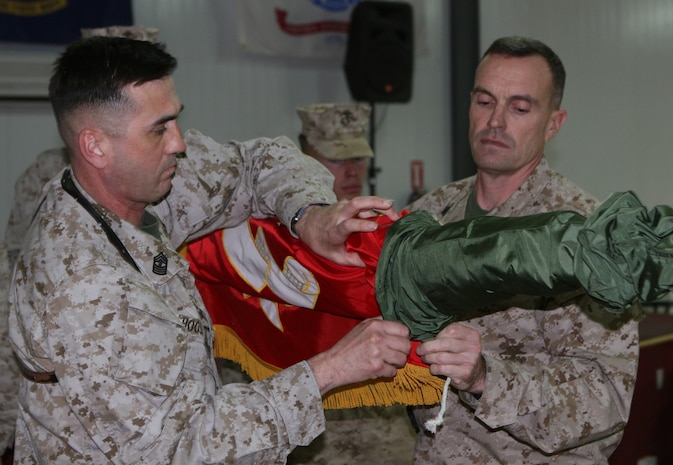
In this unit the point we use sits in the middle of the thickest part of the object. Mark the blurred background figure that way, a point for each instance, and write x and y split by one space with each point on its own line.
335 134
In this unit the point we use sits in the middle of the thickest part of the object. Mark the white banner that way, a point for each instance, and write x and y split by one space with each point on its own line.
306 28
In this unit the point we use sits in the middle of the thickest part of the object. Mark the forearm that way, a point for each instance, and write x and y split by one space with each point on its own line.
221 185
161 402
565 399
289 180
267 419
261 421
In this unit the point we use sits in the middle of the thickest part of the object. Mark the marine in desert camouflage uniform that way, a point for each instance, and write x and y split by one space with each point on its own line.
362 435
547 386
335 134
27 194
115 346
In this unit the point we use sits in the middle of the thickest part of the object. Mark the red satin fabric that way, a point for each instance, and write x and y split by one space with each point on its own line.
279 333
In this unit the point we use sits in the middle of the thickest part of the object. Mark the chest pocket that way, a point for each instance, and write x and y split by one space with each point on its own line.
151 345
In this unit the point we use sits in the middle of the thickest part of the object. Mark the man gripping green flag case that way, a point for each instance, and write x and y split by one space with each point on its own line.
620 254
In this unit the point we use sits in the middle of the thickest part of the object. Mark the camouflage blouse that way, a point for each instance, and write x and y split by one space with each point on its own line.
132 348
559 383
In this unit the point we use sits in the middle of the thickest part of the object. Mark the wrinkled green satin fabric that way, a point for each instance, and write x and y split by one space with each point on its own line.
430 275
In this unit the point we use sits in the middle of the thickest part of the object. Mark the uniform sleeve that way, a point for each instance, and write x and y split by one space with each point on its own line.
221 185
27 193
138 382
587 380
9 373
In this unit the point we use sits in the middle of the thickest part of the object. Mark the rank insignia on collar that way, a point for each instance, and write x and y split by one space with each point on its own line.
160 265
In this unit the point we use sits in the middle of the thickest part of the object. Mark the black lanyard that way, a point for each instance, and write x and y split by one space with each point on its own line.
70 187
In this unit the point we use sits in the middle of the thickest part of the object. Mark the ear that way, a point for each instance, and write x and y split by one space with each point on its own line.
92 144
556 121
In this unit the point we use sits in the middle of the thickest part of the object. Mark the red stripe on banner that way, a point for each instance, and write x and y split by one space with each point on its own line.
308 28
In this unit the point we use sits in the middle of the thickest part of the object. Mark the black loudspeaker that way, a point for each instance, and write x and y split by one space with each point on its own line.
380 52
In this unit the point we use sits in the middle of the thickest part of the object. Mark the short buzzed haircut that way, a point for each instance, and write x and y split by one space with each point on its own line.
516 46
92 73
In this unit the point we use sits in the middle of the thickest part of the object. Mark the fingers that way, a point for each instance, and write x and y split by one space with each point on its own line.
370 202
452 338
374 348
382 340
353 225
386 347
325 229
393 327
370 207
456 353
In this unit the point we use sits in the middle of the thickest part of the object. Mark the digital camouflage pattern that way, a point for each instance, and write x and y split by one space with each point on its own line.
137 382
559 383
367 435
27 194
338 131
9 381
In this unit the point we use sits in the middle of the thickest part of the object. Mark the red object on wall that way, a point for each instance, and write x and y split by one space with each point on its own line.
417 181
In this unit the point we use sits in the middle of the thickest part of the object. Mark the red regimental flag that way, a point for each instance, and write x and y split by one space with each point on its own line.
273 303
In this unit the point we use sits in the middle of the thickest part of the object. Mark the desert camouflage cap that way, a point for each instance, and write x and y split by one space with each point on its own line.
337 130
130 32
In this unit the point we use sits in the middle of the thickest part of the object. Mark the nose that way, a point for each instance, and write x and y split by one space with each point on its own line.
351 167
497 118
177 143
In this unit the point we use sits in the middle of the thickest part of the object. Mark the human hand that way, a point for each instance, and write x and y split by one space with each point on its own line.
373 349
324 229
456 353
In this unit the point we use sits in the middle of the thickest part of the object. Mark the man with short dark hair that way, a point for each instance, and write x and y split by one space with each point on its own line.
113 340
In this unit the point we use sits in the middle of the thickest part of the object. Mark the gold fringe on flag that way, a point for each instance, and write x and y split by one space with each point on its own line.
413 385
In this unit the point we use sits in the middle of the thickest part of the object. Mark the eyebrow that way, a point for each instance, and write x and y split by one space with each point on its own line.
524 97
168 118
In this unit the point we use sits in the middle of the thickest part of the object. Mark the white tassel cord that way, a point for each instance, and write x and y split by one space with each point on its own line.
432 424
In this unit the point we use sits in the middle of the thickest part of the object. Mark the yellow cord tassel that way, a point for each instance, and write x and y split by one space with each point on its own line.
413 385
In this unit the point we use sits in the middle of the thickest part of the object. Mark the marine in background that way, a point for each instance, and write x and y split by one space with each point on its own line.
335 134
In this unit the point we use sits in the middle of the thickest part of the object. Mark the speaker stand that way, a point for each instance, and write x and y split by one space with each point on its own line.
373 169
